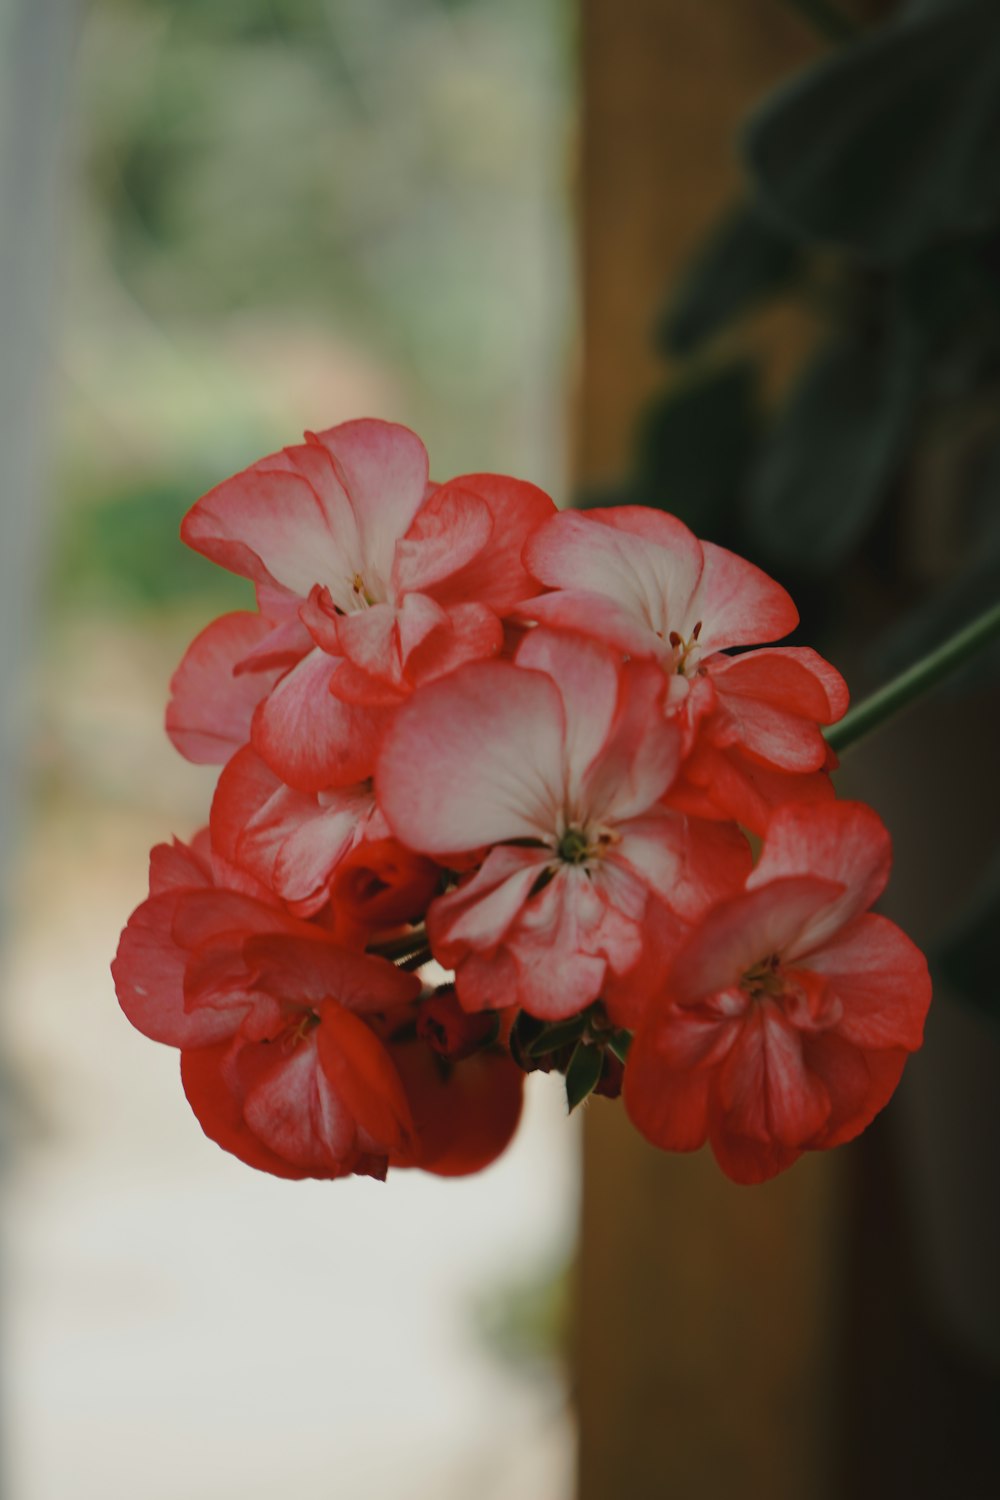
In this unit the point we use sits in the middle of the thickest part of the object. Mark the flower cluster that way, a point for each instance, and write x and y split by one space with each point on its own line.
489 771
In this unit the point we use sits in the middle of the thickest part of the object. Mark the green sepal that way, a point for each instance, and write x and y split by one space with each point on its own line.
583 1074
561 1034
619 1042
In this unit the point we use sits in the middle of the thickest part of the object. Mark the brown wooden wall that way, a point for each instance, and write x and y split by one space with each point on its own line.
834 1333
704 1311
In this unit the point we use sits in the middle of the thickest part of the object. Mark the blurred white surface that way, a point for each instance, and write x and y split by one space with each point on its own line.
179 1325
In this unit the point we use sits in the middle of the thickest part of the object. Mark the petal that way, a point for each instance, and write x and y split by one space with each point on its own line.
691 863
448 533
565 939
220 1113
149 971
589 613
311 739
285 644
473 759
743 931
364 1078
211 704
310 970
765 1091
464 1114
380 884
480 912
383 468
644 560
370 640
668 1105
270 525
175 867
292 1107
792 678
859 1083
634 995
727 784
772 701
587 675
737 604
882 981
639 758
748 1161
481 523
204 918
846 842
471 632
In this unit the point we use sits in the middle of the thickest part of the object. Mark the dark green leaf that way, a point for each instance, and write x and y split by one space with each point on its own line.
824 471
890 143
619 1043
974 590
826 18
694 446
583 1074
553 1037
966 958
744 260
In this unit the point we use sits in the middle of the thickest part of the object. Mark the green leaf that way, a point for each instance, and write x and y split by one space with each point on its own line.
973 591
744 260
951 296
825 468
889 143
619 1043
825 18
583 1074
966 957
694 446
556 1036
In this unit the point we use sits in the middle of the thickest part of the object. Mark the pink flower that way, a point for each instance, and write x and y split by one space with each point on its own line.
278 1026
555 766
783 1022
640 580
290 841
372 580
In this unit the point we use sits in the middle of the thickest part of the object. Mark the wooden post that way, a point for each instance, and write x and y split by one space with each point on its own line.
705 1337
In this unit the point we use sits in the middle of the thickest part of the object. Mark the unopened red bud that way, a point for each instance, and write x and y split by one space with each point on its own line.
452 1032
612 1077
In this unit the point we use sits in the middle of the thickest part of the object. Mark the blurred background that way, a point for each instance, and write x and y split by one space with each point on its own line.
231 222
741 260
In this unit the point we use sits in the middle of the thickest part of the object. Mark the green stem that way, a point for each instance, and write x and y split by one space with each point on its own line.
915 682
826 18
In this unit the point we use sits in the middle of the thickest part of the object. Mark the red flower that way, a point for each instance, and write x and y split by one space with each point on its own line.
641 581
556 765
371 580
278 1026
784 1021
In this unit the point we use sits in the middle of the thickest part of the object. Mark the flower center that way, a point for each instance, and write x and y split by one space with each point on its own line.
297 1029
361 595
574 846
683 650
764 980
577 846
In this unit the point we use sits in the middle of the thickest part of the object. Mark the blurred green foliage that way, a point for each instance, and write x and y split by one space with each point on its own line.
872 203
112 554
526 1321
294 212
